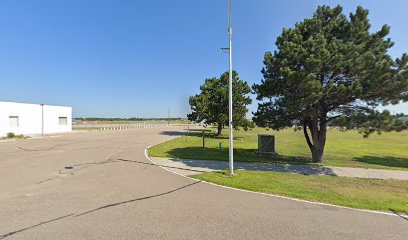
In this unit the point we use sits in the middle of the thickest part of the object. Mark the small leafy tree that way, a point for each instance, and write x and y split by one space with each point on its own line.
211 105
326 67
10 135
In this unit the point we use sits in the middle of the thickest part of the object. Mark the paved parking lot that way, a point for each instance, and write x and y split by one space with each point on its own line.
100 185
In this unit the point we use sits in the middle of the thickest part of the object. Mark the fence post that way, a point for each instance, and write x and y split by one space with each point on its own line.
203 140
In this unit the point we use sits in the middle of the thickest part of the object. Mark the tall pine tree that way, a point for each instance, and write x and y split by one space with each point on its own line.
325 67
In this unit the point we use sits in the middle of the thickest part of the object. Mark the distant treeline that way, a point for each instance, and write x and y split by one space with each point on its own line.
127 119
402 116
405 118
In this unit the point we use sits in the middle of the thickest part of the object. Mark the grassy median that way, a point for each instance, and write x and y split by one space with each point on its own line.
344 149
373 194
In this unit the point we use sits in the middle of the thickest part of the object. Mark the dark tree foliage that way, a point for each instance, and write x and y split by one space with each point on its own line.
326 67
370 121
211 105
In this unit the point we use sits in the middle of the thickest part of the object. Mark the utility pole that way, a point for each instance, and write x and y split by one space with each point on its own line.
231 137
168 116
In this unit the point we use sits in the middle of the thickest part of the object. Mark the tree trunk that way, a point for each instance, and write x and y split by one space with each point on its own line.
317 155
317 142
219 130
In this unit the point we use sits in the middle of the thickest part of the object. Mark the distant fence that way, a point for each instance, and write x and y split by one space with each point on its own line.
106 126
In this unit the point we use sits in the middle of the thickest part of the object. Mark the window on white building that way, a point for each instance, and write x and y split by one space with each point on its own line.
63 121
14 121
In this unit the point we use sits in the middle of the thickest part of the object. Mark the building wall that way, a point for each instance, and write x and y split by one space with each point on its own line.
30 118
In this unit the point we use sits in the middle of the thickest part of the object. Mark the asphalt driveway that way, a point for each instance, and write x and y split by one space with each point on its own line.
99 185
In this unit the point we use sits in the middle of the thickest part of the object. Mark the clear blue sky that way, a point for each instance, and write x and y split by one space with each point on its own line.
112 58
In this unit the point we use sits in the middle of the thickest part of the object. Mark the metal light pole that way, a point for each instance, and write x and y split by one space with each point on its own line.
231 137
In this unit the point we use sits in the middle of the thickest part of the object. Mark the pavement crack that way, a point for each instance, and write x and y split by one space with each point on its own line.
97 209
47 180
137 199
403 215
34 226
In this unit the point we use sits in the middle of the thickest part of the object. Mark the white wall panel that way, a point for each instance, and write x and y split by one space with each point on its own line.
30 118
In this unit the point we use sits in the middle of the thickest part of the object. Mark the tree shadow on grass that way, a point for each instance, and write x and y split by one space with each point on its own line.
174 133
187 132
383 161
208 134
240 155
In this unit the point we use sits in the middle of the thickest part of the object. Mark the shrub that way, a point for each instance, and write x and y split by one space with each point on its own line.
10 135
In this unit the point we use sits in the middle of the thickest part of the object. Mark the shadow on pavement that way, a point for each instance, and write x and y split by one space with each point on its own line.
222 165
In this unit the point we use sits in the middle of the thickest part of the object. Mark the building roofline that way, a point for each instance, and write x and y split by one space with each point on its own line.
52 105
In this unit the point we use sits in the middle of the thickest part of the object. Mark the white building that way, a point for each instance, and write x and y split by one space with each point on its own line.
33 119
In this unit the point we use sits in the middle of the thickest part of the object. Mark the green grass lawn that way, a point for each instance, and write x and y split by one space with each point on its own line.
374 194
345 149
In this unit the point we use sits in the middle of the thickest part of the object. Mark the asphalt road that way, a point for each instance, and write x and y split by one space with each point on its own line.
101 186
